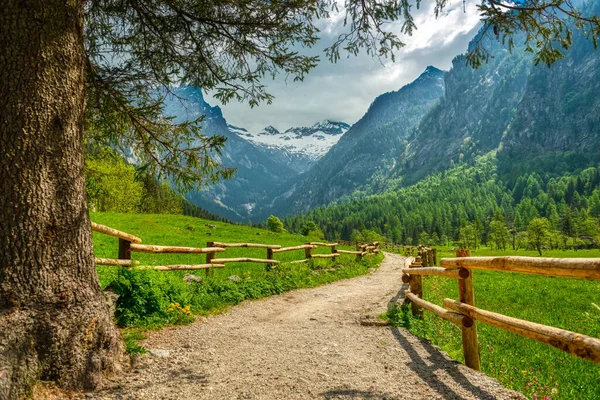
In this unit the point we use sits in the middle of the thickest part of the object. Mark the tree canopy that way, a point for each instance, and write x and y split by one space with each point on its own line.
137 50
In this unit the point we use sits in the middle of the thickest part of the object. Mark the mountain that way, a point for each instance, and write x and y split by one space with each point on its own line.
367 152
471 117
302 146
258 171
509 142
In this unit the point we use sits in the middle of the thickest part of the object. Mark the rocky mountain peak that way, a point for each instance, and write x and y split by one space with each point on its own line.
271 130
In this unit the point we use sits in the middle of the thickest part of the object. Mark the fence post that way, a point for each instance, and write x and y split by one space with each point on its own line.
269 257
469 335
209 257
307 251
431 258
416 287
434 257
124 249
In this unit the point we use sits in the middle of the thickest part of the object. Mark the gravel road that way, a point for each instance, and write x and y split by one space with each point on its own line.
304 344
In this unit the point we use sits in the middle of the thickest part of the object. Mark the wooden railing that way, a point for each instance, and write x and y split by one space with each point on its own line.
464 313
129 243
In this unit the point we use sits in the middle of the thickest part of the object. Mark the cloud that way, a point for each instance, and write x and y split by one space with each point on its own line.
344 91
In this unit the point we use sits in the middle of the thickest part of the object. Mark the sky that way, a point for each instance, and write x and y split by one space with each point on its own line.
343 91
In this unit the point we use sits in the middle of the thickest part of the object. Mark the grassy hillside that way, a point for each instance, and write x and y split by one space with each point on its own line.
537 370
154 298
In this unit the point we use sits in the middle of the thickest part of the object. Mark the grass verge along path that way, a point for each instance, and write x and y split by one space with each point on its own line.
151 299
537 370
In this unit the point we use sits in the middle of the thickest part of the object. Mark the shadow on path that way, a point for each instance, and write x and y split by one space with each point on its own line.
426 369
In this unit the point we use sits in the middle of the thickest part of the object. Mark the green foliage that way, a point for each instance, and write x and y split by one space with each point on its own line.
311 229
538 232
548 25
113 185
274 224
399 315
499 234
110 183
130 337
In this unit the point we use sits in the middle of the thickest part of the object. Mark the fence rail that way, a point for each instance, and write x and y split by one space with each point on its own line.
464 312
584 268
113 232
129 243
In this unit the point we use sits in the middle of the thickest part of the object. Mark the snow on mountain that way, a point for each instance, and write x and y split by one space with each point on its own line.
310 142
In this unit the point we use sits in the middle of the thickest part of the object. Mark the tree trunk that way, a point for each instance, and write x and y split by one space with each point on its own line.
55 323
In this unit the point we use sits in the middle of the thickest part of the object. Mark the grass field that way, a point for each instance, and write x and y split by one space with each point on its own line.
150 299
537 370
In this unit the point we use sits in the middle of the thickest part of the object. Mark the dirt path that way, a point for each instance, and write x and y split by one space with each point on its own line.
303 344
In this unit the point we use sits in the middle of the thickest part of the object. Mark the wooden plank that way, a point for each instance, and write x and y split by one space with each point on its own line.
250 245
455 318
302 247
145 248
181 267
209 256
470 340
243 259
114 261
583 346
299 261
460 273
583 268
332 255
113 232
323 244
349 252
415 285
124 249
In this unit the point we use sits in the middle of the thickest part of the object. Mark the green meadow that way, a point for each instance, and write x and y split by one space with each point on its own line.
151 299
535 369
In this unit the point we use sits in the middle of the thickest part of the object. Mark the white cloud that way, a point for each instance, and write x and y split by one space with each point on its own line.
344 91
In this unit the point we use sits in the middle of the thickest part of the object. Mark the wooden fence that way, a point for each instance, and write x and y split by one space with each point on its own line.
129 243
464 313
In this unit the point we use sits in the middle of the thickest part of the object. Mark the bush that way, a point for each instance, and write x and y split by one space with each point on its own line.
274 224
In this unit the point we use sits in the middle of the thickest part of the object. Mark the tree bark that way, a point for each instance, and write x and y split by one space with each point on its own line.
55 323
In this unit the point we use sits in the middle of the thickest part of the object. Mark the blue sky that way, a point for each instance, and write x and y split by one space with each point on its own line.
344 91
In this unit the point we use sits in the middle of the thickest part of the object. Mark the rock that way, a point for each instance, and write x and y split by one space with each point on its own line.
371 270
234 278
189 278
159 353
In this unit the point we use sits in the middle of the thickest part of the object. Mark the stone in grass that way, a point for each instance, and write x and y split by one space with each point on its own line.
339 266
234 278
371 270
189 278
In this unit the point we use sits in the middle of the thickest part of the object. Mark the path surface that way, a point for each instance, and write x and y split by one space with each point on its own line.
303 344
